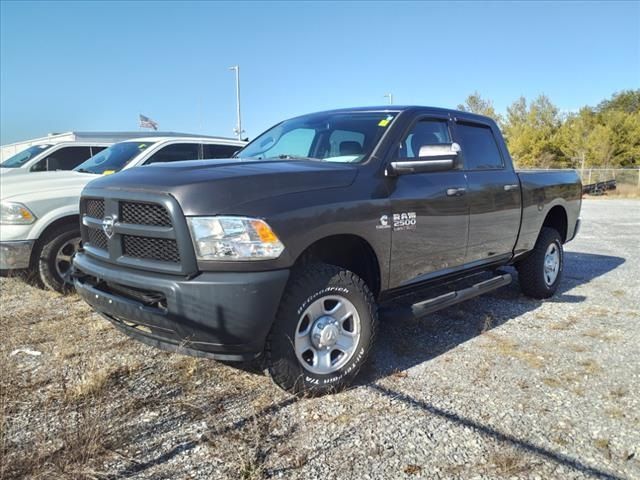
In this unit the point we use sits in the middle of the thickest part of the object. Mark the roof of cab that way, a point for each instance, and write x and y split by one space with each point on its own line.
222 141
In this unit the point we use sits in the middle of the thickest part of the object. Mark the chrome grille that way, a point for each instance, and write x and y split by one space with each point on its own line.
144 214
95 208
97 238
161 249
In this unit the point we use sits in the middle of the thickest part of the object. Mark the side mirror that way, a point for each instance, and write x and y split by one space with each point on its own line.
431 158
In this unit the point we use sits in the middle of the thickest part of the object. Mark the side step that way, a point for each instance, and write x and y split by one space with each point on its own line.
426 307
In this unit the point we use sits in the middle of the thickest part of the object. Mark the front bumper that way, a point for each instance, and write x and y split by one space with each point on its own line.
15 255
222 315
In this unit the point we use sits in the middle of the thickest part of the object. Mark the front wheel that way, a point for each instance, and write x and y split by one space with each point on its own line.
541 271
54 257
323 330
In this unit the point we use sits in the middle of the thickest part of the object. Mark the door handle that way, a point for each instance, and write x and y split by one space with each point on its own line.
456 192
513 186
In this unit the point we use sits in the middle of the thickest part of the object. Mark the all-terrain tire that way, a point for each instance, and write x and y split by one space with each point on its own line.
46 259
531 270
307 284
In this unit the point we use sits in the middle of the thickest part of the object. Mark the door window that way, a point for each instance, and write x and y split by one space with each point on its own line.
175 153
218 151
479 147
95 150
425 132
67 158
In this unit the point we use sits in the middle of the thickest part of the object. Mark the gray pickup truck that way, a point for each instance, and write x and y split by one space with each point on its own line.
285 252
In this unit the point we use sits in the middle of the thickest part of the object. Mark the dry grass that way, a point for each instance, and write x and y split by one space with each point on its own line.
73 411
509 348
413 469
508 464
565 324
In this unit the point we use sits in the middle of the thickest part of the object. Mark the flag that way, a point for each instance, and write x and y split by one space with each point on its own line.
146 122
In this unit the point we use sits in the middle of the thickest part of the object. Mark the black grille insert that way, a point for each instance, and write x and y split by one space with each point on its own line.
144 214
161 249
95 208
97 238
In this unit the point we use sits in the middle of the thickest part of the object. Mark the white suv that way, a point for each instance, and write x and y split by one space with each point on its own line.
39 223
48 157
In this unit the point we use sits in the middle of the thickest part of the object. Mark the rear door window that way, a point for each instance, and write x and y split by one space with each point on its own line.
176 152
218 151
66 158
479 148
95 150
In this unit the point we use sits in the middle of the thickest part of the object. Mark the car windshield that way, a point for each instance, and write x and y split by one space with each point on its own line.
345 137
113 159
24 156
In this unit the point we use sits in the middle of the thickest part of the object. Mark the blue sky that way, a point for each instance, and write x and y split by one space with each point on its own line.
95 66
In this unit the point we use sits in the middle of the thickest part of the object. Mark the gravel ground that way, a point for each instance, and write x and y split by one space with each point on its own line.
498 387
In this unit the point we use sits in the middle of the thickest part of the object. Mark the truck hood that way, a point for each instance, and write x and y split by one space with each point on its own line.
206 187
21 188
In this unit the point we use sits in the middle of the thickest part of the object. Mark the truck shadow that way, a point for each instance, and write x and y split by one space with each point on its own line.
409 341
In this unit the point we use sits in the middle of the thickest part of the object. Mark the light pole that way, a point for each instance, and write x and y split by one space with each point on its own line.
238 130
390 97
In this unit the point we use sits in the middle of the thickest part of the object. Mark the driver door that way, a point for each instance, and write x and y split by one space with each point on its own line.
430 213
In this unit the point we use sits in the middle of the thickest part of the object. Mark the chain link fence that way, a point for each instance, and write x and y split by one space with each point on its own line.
622 176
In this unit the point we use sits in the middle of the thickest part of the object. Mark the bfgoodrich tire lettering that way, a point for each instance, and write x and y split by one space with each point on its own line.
535 281
308 284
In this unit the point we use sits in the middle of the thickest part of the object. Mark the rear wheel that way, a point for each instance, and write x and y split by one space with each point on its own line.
54 257
323 331
541 271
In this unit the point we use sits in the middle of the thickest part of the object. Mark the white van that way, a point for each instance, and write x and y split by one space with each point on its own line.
39 223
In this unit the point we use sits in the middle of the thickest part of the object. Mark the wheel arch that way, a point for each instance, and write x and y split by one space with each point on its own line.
348 251
73 219
557 218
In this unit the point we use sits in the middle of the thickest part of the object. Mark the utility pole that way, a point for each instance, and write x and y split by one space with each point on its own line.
390 97
238 130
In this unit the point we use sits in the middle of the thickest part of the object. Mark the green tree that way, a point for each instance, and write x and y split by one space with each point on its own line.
573 138
627 101
474 103
531 131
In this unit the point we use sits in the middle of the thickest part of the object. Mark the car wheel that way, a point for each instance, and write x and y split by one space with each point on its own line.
541 271
54 257
323 331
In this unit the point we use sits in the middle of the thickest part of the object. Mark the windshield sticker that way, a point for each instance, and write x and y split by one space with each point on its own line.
384 122
108 172
142 146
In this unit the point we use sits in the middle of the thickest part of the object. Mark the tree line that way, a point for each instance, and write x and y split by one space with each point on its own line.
539 135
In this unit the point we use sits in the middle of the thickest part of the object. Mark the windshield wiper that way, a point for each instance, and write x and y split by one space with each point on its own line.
82 170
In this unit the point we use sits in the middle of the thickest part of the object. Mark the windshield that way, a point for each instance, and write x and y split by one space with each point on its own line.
114 158
23 157
345 137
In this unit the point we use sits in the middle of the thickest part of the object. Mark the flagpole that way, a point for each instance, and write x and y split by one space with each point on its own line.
238 129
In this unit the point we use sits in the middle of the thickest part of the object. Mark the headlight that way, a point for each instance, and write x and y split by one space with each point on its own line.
12 213
233 238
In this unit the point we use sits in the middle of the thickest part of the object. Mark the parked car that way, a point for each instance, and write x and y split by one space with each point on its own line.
287 252
39 212
65 151
48 157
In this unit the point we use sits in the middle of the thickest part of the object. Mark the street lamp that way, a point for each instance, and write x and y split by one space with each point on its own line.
390 97
238 129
